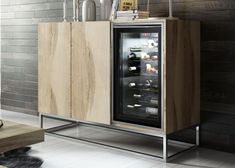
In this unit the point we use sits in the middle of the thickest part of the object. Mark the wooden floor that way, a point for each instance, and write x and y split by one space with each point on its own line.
61 153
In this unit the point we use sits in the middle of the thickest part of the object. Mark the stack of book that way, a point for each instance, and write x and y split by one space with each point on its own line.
132 15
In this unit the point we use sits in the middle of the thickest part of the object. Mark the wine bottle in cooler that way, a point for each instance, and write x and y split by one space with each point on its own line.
153 55
132 106
151 110
135 85
146 99
135 69
138 56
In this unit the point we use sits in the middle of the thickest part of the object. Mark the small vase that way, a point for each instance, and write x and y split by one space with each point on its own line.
88 10
105 9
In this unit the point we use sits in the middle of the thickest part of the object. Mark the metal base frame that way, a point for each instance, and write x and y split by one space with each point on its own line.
73 123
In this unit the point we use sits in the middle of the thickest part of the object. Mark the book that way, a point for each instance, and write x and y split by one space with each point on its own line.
126 5
132 15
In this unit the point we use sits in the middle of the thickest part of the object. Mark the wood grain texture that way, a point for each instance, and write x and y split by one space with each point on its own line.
182 74
14 135
91 72
54 69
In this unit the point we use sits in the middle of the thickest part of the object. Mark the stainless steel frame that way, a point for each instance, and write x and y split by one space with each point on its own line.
74 123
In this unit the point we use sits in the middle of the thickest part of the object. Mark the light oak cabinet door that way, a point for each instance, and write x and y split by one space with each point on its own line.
91 72
54 69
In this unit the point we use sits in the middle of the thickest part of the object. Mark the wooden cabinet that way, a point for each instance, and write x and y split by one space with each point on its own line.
75 73
91 59
54 69
74 70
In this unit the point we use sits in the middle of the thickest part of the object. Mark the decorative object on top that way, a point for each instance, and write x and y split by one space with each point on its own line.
126 5
105 9
170 9
132 15
75 10
128 10
65 10
114 10
88 10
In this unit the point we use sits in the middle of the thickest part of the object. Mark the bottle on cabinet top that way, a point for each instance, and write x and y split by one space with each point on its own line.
88 10
105 9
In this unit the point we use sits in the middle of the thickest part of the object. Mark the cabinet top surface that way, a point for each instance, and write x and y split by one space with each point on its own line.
143 21
149 21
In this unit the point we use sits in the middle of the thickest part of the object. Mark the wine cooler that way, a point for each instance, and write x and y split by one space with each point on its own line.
156 81
137 71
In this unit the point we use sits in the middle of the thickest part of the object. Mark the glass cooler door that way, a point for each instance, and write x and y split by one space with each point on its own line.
137 75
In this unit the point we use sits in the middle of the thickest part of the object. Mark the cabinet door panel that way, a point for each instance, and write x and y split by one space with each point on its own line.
54 74
91 71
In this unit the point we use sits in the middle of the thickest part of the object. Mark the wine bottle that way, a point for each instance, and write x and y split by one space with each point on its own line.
146 99
154 101
130 106
137 95
151 69
138 56
132 56
134 106
151 101
148 83
137 105
134 85
155 86
151 110
153 55
135 49
136 69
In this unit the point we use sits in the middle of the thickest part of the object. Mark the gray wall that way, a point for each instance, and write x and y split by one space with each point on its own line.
19 49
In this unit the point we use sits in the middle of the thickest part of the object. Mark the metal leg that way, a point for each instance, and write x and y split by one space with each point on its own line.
197 136
41 120
165 150
165 157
